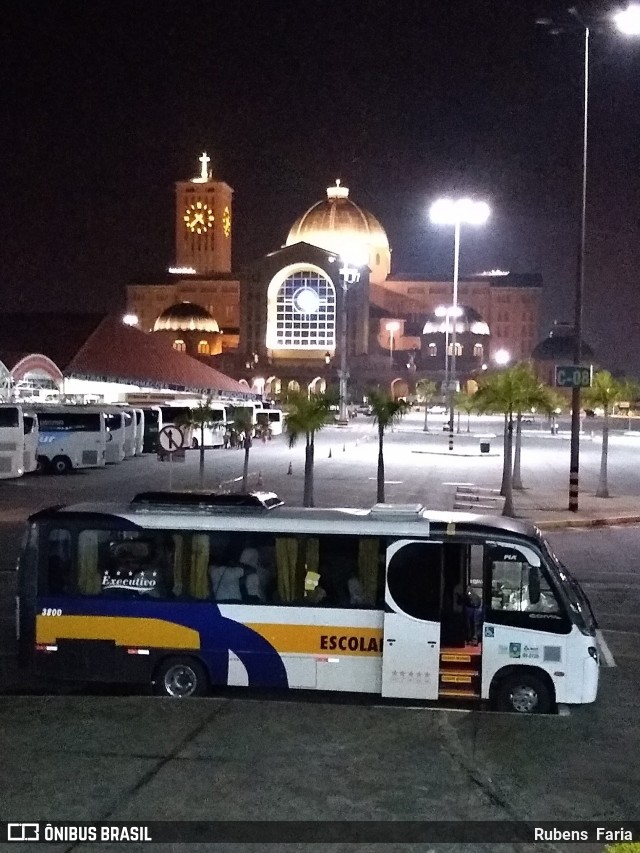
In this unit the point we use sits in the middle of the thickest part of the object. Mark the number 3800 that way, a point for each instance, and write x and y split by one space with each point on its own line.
51 611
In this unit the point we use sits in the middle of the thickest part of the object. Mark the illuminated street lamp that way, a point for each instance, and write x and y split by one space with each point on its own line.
391 327
456 212
628 20
130 319
502 357
352 260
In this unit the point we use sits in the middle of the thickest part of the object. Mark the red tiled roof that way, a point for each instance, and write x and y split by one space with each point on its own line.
115 351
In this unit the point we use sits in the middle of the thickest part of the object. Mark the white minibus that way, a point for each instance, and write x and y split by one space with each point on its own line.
71 437
397 601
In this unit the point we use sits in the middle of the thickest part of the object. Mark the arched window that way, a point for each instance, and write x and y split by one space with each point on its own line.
293 386
478 351
301 310
203 348
179 345
433 349
458 349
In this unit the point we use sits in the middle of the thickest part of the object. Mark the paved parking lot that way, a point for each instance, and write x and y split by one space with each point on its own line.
94 757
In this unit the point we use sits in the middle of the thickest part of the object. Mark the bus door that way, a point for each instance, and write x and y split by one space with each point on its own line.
411 647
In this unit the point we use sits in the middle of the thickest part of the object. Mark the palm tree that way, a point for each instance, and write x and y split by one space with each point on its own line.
467 403
606 392
243 423
386 412
201 417
530 394
307 416
425 391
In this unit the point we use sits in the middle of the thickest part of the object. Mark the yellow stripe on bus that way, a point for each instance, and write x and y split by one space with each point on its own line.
122 630
321 639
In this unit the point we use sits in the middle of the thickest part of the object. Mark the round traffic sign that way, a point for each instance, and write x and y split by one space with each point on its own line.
171 438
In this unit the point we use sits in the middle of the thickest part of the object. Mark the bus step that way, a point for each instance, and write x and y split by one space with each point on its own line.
458 693
458 676
455 657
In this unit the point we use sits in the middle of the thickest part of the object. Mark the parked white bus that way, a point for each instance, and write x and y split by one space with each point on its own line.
130 432
152 426
18 440
71 437
272 419
139 431
115 420
213 433
394 600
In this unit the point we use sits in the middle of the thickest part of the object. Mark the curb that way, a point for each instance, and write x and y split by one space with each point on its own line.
612 521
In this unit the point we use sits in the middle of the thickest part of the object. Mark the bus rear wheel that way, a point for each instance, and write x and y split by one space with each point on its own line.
524 693
60 464
181 678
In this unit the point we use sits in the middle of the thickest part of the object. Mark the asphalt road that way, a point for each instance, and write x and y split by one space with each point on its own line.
116 757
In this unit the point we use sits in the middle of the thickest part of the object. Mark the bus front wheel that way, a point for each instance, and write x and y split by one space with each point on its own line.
181 678
60 464
524 693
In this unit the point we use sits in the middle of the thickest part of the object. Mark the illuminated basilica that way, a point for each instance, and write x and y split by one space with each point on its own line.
279 325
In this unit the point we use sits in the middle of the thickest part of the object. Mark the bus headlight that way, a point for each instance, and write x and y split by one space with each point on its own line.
593 651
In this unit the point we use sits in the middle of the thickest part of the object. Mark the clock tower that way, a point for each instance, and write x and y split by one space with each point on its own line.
203 223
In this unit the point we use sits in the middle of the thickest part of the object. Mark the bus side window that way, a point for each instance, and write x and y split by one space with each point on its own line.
59 562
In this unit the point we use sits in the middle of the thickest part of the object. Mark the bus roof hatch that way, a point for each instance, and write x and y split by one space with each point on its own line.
396 511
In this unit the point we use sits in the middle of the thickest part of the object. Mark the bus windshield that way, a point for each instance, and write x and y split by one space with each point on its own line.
9 417
575 595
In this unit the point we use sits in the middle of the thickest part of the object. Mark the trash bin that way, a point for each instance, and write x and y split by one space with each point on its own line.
485 446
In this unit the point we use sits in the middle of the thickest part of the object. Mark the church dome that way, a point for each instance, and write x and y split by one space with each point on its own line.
338 225
186 317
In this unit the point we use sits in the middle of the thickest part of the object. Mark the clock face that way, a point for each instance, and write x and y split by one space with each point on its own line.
226 222
198 218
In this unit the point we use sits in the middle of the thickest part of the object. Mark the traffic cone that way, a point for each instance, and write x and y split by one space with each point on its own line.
260 484
329 453
290 471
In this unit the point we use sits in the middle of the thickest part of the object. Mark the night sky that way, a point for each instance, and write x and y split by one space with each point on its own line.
105 104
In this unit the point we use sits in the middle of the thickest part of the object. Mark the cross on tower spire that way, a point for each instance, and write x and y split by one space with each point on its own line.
204 172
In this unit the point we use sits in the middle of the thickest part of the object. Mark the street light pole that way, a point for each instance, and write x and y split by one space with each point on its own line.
343 352
452 377
349 274
576 403
448 211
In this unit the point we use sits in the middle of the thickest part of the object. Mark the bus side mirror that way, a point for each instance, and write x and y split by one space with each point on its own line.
534 585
